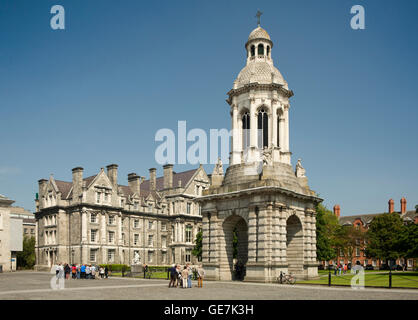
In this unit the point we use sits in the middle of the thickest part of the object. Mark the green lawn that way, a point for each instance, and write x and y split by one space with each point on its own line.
155 275
376 279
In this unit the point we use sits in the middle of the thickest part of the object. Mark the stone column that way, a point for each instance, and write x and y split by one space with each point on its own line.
252 236
214 235
283 236
286 129
205 237
83 226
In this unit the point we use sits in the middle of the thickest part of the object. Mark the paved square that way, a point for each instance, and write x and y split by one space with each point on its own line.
36 285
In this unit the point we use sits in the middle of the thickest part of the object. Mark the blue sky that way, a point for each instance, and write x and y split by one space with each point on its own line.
97 92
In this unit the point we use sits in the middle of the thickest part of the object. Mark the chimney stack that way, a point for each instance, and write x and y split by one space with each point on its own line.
403 205
391 206
168 176
77 184
112 174
134 182
337 210
152 179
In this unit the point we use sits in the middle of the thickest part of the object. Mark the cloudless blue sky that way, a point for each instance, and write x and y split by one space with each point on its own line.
97 92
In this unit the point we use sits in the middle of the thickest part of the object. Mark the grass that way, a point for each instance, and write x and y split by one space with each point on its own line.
372 279
155 275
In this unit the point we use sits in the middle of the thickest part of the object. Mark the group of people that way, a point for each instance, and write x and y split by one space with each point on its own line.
182 276
340 268
83 271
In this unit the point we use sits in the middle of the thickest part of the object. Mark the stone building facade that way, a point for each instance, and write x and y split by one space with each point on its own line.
261 199
95 220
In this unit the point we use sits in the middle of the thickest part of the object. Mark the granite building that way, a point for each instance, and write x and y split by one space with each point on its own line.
96 220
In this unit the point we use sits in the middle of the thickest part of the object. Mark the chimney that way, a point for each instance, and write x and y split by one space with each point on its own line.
403 205
391 205
112 173
134 183
168 176
337 210
152 178
77 184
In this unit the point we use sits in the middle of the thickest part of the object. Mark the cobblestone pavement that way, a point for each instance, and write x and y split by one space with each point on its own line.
36 285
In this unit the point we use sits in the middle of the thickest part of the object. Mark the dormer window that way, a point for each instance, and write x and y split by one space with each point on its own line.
98 197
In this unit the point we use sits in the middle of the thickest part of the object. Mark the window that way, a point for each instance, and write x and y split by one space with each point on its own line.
98 197
252 51
198 190
93 235
150 256
136 223
112 220
189 233
93 254
122 202
111 236
278 131
245 130
189 208
150 207
136 203
136 239
262 129
172 234
357 252
260 50
164 257
110 255
164 241
32 231
26 230
268 51
93 218
199 208
163 226
150 224
123 238
188 255
106 197
150 240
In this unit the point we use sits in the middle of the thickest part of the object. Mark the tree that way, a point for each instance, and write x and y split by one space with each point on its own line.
383 237
197 250
26 258
408 241
326 226
348 238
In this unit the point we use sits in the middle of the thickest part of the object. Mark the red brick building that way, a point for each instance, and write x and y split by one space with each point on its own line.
362 222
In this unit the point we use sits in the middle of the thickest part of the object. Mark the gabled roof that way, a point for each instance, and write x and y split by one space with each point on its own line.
64 187
184 177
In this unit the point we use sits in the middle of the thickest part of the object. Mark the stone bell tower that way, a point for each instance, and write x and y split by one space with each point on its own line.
261 200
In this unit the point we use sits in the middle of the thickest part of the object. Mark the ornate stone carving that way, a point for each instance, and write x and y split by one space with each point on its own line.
300 171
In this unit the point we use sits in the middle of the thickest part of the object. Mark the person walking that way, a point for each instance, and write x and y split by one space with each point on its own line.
88 272
67 271
106 272
101 272
93 271
184 276
173 276
189 276
200 276
73 272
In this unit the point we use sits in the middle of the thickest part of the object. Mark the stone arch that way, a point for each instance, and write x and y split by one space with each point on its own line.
227 266
294 244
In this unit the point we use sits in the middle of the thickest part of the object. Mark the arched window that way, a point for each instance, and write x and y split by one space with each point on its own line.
263 129
268 51
278 131
252 51
260 50
245 130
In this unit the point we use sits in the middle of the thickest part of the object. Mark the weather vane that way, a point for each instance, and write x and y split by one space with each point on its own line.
258 15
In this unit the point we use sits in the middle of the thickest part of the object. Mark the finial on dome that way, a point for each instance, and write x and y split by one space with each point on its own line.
258 15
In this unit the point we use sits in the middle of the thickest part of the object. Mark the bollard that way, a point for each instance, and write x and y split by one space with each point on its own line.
390 278
329 278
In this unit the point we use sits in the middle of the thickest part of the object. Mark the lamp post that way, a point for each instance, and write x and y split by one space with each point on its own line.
390 274
329 275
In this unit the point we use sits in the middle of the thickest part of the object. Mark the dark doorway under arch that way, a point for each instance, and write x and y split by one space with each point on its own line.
294 245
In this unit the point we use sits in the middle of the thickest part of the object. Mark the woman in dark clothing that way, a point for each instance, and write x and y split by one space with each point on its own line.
106 272
67 271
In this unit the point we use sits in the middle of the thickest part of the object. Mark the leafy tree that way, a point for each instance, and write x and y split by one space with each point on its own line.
326 226
347 239
197 250
383 237
408 241
26 258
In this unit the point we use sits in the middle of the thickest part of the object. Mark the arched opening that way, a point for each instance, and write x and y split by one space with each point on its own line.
260 50
236 247
263 129
268 51
252 51
294 245
245 130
